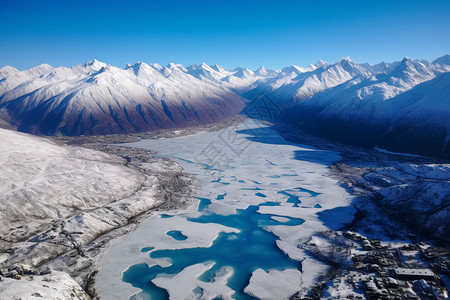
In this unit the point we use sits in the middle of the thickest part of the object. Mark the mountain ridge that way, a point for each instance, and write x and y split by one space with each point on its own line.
96 98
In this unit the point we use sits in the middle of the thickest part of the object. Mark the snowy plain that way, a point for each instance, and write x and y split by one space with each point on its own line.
243 167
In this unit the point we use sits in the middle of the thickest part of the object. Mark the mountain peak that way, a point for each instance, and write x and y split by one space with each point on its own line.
345 60
321 63
410 68
406 62
95 65
242 72
443 60
6 70
174 66
406 58
156 66
94 62
145 72
139 66
218 68
202 66
44 65
262 71
293 68
39 70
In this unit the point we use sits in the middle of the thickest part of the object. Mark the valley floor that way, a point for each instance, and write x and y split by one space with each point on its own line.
256 202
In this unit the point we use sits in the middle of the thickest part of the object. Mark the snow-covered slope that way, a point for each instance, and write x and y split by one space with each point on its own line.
42 182
7 70
55 286
11 77
60 206
423 111
430 211
241 80
96 98
404 110
442 61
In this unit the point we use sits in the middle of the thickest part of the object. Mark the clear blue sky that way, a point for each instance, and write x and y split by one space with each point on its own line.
231 33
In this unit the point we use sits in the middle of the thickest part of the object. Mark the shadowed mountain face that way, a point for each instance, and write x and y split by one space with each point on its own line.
99 99
405 110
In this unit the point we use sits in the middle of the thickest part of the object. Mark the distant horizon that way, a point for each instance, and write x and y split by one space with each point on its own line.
233 33
228 69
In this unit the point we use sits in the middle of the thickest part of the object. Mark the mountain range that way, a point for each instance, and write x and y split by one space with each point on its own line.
96 98
400 106
403 109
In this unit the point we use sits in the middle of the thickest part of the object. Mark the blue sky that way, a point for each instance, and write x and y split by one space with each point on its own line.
231 33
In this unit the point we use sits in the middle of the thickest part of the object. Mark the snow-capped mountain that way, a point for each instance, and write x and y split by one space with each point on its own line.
7 70
11 77
442 61
238 80
424 111
381 67
264 72
96 98
405 110
241 80
207 73
350 102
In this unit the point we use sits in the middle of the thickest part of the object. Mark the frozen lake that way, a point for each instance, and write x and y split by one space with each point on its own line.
258 197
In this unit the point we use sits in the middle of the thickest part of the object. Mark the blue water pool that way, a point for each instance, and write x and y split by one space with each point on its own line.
291 198
221 197
249 249
177 235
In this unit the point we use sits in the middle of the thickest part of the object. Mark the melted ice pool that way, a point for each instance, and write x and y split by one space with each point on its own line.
244 251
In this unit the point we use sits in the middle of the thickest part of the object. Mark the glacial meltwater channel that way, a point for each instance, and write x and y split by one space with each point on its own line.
256 202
